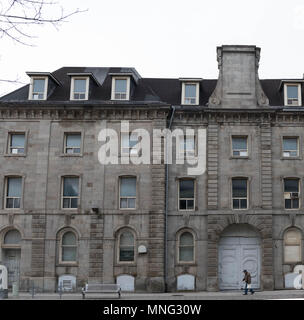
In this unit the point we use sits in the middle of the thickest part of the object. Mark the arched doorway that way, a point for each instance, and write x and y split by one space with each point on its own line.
11 254
239 249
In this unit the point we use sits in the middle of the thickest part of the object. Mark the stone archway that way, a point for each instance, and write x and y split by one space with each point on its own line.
261 223
239 249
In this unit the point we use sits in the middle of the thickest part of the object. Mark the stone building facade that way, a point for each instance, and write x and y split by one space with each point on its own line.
153 227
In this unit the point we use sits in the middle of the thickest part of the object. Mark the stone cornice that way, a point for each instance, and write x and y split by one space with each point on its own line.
87 112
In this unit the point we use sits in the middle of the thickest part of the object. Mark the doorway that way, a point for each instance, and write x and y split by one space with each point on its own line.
239 249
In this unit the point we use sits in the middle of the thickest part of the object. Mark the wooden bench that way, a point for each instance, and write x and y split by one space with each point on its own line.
100 288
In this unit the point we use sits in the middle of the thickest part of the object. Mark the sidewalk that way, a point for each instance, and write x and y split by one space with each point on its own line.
222 295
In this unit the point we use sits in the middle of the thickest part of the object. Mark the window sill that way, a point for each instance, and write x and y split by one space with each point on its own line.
291 158
122 264
15 155
239 157
67 264
71 155
181 264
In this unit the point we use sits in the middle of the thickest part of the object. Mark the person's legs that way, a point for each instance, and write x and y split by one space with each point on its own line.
246 289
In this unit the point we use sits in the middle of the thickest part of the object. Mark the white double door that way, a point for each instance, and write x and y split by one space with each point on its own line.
235 255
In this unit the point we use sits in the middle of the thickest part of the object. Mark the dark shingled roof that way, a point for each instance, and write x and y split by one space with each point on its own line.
145 90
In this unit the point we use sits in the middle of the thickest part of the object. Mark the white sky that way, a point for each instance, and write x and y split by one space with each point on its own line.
163 38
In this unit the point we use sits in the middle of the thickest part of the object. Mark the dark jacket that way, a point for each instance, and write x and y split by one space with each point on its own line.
247 278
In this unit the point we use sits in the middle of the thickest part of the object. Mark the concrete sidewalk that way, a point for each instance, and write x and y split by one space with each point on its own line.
223 295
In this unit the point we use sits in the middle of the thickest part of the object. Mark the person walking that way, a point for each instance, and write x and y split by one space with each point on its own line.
247 279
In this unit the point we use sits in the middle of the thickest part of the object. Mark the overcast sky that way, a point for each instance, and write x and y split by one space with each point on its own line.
163 38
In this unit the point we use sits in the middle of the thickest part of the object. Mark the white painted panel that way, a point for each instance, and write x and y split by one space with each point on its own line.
3 277
67 282
186 282
228 267
126 282
290 279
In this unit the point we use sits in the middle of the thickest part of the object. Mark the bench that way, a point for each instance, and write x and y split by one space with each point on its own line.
100 288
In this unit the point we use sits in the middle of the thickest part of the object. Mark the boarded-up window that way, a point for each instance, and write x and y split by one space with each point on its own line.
126 282
185 282
292 245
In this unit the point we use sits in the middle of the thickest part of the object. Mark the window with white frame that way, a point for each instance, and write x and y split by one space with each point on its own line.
292 94
239 193
38 88
186 247
126 247
240 146
16 143
80 88
187 146
290 147
186 199
69 247
120 88
70 192
72 143
127 190
129 143
13 192
292 246
291 193
190 93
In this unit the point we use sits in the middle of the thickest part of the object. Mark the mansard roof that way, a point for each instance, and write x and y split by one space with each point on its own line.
144 90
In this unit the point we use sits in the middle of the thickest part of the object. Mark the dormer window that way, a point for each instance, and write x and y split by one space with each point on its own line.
190 93
120 88
292 94
79 88
38 88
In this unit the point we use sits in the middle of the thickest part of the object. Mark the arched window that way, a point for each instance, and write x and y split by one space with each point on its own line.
186 247
12 237
292 246
126 247
69 247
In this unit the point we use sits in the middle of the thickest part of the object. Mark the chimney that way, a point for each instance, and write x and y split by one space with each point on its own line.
238 84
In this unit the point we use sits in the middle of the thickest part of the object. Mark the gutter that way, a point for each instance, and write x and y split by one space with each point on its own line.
166 204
